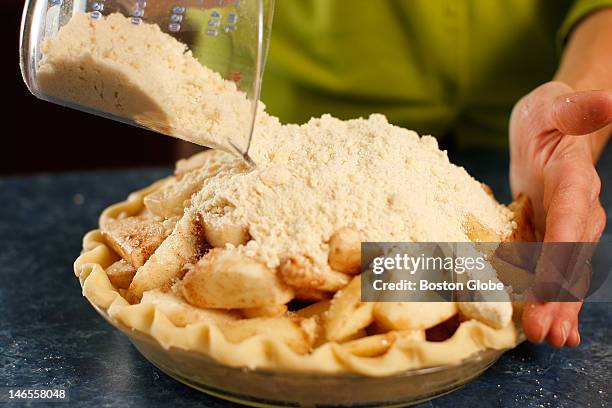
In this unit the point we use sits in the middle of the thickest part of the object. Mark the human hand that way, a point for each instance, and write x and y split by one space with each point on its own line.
552 161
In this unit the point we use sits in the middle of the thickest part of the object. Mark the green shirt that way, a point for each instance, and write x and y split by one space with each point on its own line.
436 66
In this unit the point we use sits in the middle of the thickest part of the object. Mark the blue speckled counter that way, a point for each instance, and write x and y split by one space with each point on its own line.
50 336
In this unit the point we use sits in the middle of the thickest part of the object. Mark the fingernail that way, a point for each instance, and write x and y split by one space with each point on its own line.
565 330
577 334
544 327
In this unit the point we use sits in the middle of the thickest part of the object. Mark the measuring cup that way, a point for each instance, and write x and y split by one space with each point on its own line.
229 37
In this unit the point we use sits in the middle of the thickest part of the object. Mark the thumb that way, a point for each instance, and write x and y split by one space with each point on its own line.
581 113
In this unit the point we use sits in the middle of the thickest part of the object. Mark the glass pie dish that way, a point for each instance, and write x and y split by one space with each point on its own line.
262 387
291 359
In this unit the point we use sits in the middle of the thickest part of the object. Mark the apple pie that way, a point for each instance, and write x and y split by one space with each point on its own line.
260 267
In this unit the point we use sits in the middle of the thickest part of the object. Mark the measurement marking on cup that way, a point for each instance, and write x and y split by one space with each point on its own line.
175 18
97 7
138 11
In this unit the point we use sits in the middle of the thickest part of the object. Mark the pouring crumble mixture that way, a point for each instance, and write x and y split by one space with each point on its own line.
220 249
140 73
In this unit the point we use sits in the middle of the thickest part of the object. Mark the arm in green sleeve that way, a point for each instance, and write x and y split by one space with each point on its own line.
578 12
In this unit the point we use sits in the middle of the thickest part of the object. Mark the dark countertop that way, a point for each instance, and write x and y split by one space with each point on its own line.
51 337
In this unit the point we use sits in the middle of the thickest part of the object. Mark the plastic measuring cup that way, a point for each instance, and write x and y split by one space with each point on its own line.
229 37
